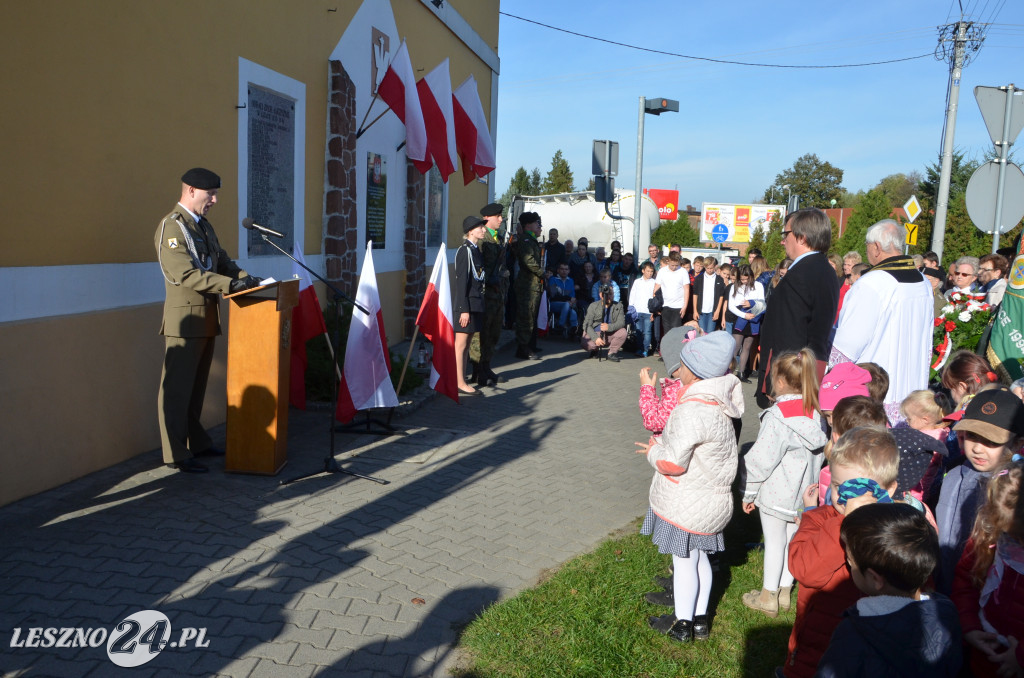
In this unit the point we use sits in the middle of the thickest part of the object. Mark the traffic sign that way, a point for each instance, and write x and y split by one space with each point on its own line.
911 233
913 210
981 197
720 233
992 102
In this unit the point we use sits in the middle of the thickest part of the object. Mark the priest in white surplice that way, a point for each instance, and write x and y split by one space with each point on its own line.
887 317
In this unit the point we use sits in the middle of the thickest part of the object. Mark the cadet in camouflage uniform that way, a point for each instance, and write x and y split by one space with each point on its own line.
481 348
529 284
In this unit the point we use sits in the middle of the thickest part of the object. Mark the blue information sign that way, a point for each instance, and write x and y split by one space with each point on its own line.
720 233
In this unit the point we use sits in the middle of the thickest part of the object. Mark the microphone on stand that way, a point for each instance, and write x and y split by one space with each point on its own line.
251 225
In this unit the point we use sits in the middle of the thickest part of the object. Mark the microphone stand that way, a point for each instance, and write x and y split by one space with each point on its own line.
331 464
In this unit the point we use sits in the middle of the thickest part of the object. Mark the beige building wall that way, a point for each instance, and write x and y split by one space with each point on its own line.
107 104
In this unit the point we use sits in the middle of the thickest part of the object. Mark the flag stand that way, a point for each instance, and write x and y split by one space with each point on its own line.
330 463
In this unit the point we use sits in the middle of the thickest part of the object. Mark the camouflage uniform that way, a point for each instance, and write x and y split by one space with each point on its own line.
481 348
528 286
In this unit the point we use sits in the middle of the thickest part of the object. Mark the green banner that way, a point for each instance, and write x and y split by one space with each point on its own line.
1006 346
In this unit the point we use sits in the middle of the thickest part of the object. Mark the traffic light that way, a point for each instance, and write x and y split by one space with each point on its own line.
659 106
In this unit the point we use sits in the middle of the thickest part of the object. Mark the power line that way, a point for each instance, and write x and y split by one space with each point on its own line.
699 58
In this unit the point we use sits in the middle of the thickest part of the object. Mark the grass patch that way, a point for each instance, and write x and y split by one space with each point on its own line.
589 619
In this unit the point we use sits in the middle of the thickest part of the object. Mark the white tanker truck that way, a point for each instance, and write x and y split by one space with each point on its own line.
578 215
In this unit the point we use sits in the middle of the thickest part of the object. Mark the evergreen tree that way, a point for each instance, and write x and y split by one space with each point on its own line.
591 184
873 207
521 184
536 186
559 178
769 241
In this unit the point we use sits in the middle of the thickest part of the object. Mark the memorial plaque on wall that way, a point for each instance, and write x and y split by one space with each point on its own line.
376 198
435 208
271 180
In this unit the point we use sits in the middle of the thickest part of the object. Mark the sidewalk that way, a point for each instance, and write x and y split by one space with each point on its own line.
334 575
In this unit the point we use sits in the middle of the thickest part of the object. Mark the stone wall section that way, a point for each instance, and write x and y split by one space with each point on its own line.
340 219
415 244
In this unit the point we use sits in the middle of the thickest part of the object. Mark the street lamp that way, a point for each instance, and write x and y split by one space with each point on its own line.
655 106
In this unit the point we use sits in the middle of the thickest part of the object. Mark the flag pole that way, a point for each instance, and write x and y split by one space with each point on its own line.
368 109
330 349
361 131
408 357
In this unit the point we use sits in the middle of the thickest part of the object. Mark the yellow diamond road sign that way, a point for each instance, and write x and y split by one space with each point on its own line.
912 208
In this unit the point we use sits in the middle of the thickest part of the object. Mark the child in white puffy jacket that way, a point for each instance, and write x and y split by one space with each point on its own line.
695 461
785 459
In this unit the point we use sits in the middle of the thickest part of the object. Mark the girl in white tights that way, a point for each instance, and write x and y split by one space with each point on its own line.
784 460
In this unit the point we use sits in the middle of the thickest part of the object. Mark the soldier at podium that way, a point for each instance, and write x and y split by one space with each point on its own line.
196 270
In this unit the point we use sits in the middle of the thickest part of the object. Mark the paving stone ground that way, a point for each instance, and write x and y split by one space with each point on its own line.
335 575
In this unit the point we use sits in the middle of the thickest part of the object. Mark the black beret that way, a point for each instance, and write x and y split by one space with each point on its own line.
492 210
201 178
933 272
471 222
528 218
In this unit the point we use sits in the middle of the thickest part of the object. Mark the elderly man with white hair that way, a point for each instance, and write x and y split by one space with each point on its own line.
887 317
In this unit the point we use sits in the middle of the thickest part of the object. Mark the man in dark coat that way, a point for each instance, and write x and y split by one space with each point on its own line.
528 286
803 305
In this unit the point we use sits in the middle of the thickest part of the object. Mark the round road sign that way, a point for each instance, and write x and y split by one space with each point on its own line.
981 197
720 233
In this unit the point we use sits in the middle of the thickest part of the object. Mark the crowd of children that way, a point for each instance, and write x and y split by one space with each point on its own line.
905 543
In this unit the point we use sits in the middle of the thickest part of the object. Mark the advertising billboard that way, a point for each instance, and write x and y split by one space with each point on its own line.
721 222
667 202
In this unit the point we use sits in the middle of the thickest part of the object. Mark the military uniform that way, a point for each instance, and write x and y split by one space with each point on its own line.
528 286
481 349
196 270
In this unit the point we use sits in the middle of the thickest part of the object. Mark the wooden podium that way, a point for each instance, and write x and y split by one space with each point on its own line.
259 355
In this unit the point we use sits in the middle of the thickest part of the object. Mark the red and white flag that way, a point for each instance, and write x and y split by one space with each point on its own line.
435 323
366 379
472 138
307 322
435 90
398 90
542 314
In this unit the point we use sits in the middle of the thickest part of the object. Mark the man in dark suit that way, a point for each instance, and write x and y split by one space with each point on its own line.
708 296
196 271
802 307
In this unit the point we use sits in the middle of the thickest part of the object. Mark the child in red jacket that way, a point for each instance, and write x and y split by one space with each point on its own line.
865 459
989 585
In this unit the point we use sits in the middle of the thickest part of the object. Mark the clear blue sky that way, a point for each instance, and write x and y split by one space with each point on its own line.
739 126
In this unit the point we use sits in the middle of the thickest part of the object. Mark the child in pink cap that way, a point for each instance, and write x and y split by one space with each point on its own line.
842 381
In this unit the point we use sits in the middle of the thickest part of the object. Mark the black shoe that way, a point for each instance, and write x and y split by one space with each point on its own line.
664 582
593 354
493 376
745 379
189 466
677 629
524 354
701 627
614 357
211 452
664 598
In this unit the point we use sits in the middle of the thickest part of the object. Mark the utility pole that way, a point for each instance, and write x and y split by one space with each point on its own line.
963 32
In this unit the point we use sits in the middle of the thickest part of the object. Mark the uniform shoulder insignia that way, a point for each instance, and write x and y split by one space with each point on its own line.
172 243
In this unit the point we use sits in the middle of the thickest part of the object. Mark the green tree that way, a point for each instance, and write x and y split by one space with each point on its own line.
873 207
816 182
769 241
678 232
927 189
899 187
963 238
521 184
559 178
536 186
591 184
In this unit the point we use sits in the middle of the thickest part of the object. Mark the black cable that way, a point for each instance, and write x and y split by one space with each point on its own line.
699 58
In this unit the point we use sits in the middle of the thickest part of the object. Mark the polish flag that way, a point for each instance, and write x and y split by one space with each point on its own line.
471 136
366 379
435 90
435 323
542 314
398 90
307 322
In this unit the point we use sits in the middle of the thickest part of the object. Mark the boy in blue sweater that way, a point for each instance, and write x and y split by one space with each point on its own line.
896 630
